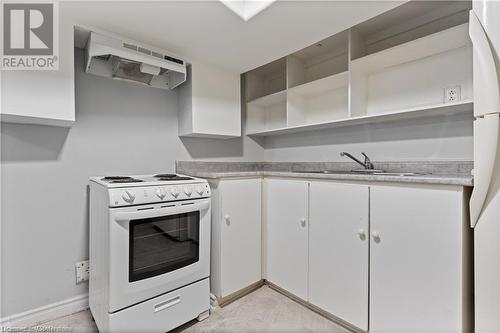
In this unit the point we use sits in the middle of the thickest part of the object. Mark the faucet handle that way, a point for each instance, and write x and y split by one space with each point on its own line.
368 162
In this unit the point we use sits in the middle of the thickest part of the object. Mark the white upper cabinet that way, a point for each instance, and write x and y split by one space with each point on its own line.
210 103
420 277
338 250
287 234
45 97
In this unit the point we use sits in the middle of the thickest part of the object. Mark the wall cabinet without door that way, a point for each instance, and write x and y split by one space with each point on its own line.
287 234
419 260
236 235
210 103
45 97
338 250
397 65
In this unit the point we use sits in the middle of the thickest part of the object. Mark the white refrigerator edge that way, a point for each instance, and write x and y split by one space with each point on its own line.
484 29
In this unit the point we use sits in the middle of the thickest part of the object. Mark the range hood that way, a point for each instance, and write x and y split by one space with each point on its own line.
124 60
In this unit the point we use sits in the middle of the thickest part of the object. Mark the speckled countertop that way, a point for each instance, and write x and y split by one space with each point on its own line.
443 173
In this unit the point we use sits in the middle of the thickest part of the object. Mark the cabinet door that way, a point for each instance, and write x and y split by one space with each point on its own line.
240 234
45 97
210 103
287 234
416 259
338 250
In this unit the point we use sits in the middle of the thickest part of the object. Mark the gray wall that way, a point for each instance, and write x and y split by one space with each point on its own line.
120 128
127 129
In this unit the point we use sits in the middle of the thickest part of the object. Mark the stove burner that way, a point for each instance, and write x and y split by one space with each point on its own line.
165 175
170 176
116 177
121 179
131 180
176 178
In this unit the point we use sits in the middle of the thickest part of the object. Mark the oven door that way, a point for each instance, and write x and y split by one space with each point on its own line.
157 248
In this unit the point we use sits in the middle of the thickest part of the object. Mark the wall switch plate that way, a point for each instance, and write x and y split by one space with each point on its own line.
452 94
82 270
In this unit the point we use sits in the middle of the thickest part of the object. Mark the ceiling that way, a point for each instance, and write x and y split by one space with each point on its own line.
208 31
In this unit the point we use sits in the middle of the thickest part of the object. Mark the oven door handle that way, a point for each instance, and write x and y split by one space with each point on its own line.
150 213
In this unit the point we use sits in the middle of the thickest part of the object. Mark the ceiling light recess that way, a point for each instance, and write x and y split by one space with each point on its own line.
246 9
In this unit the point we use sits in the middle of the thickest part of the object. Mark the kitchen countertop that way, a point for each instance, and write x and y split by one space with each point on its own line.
458 174
420 179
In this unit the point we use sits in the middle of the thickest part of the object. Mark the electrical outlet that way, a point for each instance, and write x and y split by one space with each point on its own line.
452 94
82 270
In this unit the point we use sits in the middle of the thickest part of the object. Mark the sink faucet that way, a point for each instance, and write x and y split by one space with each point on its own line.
367 164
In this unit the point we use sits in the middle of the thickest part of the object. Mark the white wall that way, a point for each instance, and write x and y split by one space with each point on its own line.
438 138
128 129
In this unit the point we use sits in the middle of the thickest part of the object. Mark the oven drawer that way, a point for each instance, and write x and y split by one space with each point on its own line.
165 312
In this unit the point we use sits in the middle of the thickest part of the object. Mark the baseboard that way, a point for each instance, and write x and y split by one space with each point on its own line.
47 313
316 309
223 301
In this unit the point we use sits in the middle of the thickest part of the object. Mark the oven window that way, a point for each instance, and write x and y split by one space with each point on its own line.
163 244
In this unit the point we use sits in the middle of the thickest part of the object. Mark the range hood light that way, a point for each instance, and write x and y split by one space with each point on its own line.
149 69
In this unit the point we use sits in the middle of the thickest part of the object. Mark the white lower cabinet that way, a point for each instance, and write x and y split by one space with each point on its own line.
236 235
287 234
419 260
338 250
383 258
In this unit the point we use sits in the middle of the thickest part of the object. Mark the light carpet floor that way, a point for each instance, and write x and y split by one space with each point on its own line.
263 310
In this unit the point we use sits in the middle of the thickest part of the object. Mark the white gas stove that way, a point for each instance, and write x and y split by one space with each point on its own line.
149 251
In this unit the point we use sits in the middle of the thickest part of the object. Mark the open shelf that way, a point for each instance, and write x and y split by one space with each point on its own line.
406 114
413 74
395 66
443 41
408 22
322 86
266 113
325 58
323 100
266 80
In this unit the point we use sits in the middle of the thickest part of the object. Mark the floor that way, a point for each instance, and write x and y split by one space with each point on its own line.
264 310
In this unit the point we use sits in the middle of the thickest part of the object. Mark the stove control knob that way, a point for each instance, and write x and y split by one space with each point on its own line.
128 196
200 190
160 193
174 191
188 190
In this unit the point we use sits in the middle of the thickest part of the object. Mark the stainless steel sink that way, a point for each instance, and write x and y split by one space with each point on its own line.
400 174
364 172
324 171
351 172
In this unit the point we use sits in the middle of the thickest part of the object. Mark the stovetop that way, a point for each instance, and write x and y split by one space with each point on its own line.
171 177
149 189
145 180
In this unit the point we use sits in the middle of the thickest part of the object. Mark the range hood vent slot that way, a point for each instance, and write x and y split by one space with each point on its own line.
130 46
145 51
